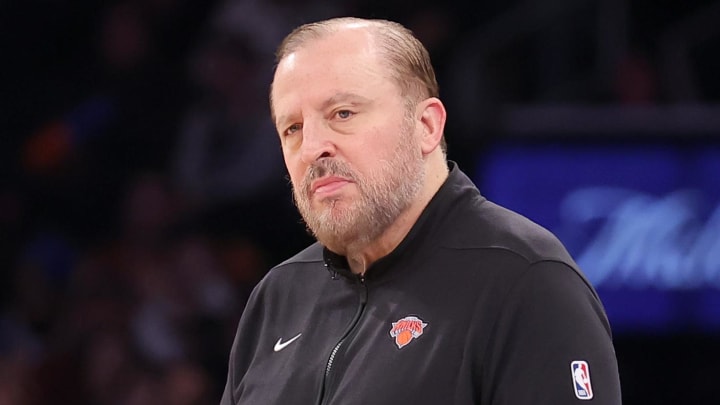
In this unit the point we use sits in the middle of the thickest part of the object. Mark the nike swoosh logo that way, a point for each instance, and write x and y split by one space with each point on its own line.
281 345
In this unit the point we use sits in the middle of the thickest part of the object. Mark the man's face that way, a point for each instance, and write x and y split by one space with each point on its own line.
350 143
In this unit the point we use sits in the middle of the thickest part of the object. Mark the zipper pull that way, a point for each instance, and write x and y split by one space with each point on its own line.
363 290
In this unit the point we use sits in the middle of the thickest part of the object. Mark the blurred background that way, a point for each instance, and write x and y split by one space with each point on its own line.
143 194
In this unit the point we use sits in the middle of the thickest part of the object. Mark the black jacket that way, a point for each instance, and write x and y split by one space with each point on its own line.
477 305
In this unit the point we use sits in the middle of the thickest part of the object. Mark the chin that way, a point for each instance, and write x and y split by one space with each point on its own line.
330 206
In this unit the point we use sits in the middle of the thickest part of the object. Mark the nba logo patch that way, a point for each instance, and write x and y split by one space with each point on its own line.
581 379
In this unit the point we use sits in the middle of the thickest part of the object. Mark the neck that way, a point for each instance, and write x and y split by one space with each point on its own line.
361 257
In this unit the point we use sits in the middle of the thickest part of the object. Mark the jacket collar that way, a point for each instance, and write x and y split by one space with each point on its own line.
455 186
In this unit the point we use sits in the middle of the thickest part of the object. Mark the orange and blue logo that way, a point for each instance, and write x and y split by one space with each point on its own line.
581 379
407 329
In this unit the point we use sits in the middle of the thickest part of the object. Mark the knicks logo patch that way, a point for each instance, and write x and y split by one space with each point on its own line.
581 379
407 329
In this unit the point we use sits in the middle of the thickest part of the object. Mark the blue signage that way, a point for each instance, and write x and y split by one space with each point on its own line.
642 220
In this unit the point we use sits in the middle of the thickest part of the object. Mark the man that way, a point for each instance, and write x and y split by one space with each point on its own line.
419 290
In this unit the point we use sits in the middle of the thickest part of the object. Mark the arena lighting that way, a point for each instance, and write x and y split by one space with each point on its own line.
642 220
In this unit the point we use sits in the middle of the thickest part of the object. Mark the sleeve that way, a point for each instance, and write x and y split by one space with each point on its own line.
551 343
244 345
227 396
233 364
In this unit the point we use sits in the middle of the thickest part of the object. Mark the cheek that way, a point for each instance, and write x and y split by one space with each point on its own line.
294 169
384 140
289 162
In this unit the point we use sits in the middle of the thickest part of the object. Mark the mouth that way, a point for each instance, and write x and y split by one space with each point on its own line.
327 185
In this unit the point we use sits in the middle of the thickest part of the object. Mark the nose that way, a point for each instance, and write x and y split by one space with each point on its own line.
317 142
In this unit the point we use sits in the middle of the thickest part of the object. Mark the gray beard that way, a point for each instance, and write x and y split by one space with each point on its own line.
385 194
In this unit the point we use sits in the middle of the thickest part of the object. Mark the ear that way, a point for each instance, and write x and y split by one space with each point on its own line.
431 113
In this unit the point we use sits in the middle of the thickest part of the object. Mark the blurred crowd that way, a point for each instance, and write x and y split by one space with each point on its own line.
143 197
143 192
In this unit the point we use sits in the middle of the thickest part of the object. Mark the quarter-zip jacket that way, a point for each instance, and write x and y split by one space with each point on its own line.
477 305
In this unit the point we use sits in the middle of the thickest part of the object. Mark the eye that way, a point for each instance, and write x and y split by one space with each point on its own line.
344 114
292 129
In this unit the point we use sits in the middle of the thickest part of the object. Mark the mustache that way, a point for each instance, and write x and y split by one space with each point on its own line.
326 167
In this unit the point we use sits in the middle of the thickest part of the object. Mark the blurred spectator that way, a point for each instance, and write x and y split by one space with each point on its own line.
227 149
266 22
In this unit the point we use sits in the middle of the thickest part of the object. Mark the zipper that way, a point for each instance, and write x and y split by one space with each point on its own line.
348 332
